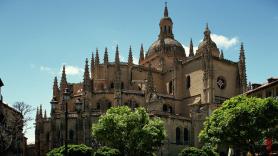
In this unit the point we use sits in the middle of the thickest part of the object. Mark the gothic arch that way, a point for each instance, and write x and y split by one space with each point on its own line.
103 104
131 103
178 135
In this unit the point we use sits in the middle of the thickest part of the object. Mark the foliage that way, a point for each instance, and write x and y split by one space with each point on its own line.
192 151
73 150
210 151
25 109
241 121
132 132
106 151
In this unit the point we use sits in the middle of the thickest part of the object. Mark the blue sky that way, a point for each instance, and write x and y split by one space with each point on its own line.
37 37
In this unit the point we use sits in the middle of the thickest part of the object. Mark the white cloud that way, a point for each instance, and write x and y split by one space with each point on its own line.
135 60
186 49
72 70
122 58
223 41
47 69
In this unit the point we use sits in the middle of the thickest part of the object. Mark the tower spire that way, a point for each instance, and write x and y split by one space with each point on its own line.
141 54
165 10
55 88
130 57
105 58
207 33
221 55
97 58
92 66
117 81
191 53
242 69
86 78
166 25
63 83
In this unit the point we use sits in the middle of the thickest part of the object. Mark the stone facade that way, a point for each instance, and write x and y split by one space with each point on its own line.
180 89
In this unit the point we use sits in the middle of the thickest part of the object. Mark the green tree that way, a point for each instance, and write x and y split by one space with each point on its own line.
106 151
73 150
131 132
192 151
241 122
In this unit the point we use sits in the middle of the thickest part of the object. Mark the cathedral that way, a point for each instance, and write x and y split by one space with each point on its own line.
181 90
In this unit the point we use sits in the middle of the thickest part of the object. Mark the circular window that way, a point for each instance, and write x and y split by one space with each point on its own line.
221 82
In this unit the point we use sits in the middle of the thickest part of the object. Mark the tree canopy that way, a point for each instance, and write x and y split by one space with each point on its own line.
131 132
241 122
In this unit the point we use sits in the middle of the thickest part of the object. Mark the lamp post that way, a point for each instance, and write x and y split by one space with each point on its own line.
66 98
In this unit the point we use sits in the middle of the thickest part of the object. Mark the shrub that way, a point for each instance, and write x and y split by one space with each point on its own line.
107 151
192 151
73 150
210 151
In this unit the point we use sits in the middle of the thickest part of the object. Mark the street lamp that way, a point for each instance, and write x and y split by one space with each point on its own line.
65 99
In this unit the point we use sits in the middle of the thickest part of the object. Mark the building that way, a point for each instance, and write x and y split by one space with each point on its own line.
12 140
182 90
269 89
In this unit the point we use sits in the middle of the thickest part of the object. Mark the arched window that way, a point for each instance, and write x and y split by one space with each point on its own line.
165 30
112 85
71 134
98 106
178 135
186 136
169 29
188 83
164 108
170 109
122 85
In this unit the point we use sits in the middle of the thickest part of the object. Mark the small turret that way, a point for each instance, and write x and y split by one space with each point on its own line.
141 59
92 66
130 57
117 81
40 114
242 70
166 25
105 58
86 78
191 51
45 116
97 58
63 83
221 55
56 91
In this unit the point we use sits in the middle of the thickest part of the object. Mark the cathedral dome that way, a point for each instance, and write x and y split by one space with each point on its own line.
170 45
166 42
207 43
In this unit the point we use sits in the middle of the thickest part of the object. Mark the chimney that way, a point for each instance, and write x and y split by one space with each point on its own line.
271 79
255 85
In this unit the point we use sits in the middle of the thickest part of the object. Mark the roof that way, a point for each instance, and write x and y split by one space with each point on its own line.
1 83
263 86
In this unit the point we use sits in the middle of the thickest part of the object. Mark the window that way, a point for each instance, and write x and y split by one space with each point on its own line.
71 134
186 136
122 85
165 29
164 108
98 106
170 109
188 83
170 87
268 93
178 135
112 85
